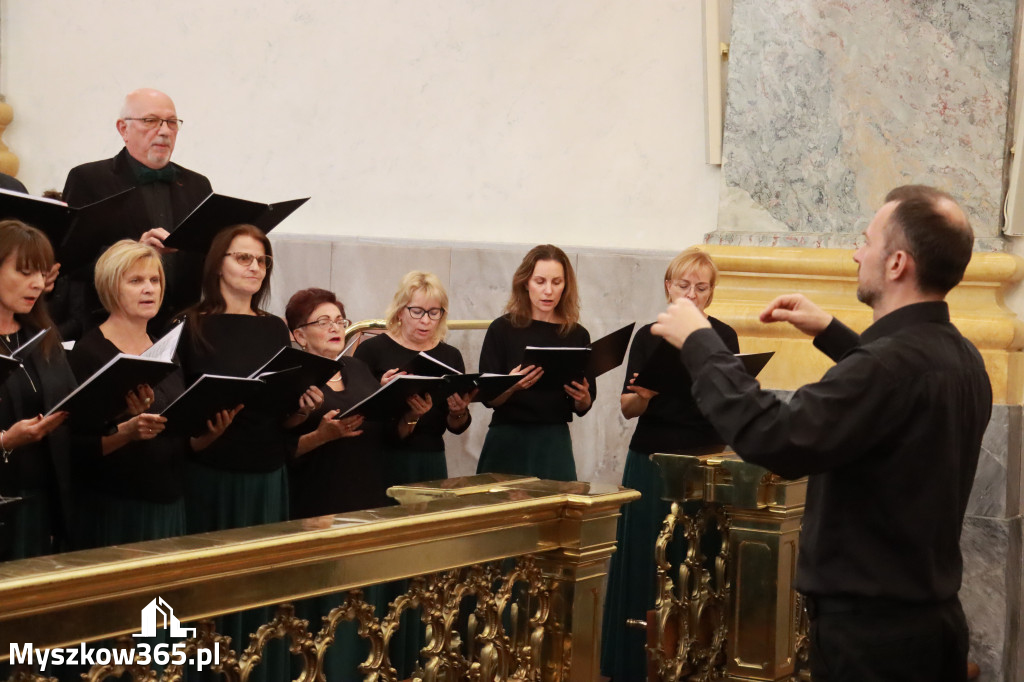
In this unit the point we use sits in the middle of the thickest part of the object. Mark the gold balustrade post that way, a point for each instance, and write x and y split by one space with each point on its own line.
762 529
576 569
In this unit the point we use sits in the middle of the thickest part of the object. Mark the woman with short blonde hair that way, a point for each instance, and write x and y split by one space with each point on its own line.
135 476
667 421
417 323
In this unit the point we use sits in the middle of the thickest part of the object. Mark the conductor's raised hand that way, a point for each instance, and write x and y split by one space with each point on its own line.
679 320
799 311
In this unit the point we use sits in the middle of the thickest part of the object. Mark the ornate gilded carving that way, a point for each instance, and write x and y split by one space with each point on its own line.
484 622
692 615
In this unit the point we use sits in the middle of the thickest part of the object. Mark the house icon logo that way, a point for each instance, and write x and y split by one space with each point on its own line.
159 614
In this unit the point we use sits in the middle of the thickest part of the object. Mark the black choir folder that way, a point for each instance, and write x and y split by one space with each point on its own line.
197 230
664 370
100 399
208 395
50 216
10 363
390 400
564 364
289 373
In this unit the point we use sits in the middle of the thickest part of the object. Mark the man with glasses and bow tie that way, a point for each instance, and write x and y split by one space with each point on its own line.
164 194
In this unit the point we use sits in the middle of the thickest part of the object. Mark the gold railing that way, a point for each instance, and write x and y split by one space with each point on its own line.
500 539
734 615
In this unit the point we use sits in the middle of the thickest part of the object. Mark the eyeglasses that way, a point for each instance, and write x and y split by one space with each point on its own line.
150 122
245 259
417 312
684 287
326 322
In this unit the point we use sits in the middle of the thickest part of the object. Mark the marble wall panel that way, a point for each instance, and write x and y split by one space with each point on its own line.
991 593
832 103
990 494
298 264
365 274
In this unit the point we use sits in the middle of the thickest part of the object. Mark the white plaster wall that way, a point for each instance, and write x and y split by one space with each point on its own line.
572 121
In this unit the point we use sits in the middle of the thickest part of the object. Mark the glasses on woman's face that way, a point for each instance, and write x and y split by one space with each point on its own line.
245 259
326 323
684 287
417 313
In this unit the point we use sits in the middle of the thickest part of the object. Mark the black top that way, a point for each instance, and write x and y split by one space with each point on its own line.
890 438
382 353
47 464
238 345
75 304
149 470
672 423
345 474
503 350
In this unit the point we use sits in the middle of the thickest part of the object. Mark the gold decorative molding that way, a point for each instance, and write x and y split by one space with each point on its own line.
8 160
751 276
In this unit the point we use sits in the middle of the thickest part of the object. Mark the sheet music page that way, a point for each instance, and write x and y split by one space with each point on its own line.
164 348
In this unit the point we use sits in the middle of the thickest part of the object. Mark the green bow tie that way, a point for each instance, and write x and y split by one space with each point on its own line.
148 176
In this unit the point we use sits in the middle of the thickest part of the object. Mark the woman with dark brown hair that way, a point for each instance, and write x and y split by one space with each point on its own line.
35 451
529 432
240 480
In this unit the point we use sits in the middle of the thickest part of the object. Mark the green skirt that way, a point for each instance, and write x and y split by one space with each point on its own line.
632 579
111 521
541 450
414 466
219 500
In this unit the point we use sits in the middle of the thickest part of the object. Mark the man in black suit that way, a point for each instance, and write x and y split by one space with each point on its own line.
164 194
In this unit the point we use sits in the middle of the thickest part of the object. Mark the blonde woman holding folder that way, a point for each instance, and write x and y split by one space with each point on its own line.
667 421
529 430
134 480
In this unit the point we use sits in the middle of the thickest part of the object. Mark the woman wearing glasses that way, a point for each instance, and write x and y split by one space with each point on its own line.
135 487
415 324
240 480
668 421
337 467
529 432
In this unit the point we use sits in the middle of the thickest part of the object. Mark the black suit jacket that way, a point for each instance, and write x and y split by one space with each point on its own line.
75 305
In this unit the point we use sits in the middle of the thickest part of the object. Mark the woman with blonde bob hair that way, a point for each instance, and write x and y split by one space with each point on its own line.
135 485
417 323
529 431
668 421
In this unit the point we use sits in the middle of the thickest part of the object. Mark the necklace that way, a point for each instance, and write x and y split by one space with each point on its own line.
11 340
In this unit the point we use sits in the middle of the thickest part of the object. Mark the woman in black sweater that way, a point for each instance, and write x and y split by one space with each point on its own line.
35 451
670 422
134 478
416 323
529 432
241 479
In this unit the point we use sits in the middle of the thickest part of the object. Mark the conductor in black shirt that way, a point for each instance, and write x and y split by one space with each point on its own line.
890 438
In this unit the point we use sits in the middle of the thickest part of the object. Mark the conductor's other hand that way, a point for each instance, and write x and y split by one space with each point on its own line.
679 320
798 310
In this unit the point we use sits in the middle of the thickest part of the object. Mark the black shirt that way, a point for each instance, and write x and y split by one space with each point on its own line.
149 470
382 353
503 350
671 423
345 474
890 437
238 345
